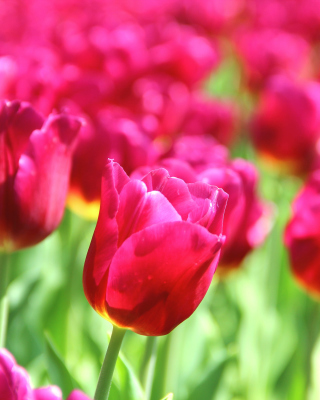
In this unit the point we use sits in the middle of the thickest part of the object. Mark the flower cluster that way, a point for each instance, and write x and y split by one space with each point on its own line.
15 383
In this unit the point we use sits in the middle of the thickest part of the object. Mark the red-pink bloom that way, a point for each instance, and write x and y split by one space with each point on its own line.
35 161
160 101
183 54
210 117
114 135
15 383
302 235
247 219
214 16
154 251
267 52
199 151
286 124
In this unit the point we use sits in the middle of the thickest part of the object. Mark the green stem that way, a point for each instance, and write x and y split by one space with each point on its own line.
148 365
4 303
109 363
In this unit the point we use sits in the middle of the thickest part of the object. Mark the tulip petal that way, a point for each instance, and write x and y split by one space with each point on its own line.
14 380
78 395
211 203
41 183
139 209
168 264
174 189
48 393
105 236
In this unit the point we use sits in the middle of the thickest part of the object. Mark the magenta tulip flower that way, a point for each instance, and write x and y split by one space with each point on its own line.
302 236
154 251
286 124
15 383
35 161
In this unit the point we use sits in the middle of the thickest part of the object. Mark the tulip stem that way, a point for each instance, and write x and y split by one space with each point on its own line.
148 365
4 303
109 363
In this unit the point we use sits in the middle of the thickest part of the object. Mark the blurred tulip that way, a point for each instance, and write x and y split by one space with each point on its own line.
34 172
199 151
285 127
184 54
213 16
247 220
114 135
210 117
161 102
15 383
268 52
302 235
154 251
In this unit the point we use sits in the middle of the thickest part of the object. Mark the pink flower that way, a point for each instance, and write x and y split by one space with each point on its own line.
15 383
210 117
302 235
154 251
35 161
267 52
183 54
247 219
114 135
285 127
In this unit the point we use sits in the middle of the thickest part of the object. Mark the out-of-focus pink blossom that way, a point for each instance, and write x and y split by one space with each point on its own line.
35 163
302 235
300 17
210 117
183 54
247 219
199 151
267 52
285 127
213 16
15 383
30 75
161 102
115 136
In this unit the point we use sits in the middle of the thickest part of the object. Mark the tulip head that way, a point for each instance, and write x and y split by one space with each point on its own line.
154 250
285 127
34 173
15 383
302 236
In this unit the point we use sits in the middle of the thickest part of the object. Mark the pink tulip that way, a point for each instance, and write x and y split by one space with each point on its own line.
34 173
286 124
302 235
267 52
154 251
15 383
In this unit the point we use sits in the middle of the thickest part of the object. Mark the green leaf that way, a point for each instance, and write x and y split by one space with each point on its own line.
58 372
208 386
125 384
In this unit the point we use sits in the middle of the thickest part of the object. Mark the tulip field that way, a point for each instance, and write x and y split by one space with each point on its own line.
159 200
